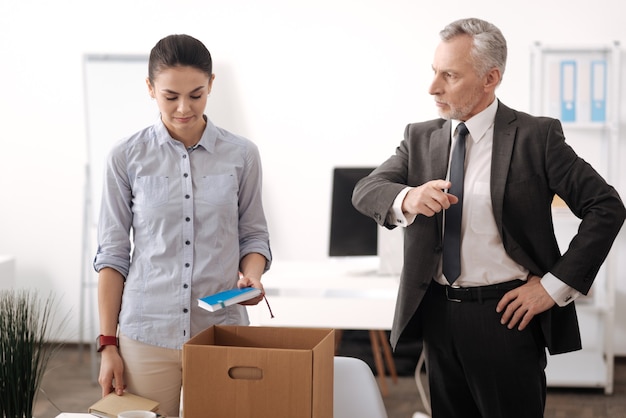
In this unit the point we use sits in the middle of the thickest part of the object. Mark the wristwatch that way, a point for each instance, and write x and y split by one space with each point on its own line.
104 340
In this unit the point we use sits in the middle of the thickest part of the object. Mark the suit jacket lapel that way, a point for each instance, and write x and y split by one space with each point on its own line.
440 151
439 156
503 140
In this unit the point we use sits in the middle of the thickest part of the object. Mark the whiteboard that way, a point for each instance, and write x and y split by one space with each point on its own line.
117 104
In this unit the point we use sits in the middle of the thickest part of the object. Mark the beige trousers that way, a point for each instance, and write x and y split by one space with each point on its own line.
153 372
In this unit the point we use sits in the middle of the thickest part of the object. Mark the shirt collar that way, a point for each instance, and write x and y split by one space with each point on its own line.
209 136
207 140
478 124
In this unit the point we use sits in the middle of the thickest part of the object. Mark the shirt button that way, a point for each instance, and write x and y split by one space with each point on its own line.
185 286
186 264
185 310
186 175
187 242
184 156
186 196
187 219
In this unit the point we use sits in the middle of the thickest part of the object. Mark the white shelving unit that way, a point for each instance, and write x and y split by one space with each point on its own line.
579 86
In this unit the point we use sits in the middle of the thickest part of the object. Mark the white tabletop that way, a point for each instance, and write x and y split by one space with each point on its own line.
329 294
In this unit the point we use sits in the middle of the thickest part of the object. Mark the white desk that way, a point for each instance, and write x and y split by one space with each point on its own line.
327 294
7 271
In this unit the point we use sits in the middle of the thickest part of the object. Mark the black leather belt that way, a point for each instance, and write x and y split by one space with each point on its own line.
480 293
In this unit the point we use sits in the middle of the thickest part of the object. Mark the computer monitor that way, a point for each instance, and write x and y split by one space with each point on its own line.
351 232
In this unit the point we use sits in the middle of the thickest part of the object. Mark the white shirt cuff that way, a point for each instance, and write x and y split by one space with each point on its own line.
396 216
558 290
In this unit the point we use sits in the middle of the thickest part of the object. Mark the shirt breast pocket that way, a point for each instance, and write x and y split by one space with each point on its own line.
481 211
219 189
152 191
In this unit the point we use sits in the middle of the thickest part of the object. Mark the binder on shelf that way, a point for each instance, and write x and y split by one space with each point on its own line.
568 91
598 91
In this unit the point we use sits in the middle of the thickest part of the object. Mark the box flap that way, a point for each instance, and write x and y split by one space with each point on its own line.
270 337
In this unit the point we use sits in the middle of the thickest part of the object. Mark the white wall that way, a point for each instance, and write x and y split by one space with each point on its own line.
315 83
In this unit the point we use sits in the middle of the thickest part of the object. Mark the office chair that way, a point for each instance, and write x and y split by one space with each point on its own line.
356 392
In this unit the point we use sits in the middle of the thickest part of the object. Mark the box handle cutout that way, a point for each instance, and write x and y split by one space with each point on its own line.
245 373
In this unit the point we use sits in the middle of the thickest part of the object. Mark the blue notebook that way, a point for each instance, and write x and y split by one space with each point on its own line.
226 298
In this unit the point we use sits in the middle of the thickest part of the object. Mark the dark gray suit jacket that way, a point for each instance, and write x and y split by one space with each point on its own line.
531 163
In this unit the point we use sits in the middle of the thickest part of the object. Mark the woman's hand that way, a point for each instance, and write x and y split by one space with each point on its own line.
111 376
251 282
252 267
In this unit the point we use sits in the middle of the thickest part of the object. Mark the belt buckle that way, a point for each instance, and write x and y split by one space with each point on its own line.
451 299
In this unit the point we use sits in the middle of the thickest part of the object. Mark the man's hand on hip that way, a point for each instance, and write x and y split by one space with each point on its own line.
520 305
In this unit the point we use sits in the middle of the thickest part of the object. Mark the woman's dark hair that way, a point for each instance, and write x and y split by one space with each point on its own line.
177 51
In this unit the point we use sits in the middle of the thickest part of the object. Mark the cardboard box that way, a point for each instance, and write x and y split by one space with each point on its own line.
247 371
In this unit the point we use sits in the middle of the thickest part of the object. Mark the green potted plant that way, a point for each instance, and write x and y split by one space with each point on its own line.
25 349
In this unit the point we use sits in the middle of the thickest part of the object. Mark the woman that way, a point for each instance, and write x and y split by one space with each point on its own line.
183 197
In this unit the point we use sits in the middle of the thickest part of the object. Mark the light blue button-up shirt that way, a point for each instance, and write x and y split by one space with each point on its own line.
175 222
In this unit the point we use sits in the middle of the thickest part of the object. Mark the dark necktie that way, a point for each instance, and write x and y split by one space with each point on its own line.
452 230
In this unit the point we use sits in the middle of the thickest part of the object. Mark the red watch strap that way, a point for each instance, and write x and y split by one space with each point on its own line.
104 340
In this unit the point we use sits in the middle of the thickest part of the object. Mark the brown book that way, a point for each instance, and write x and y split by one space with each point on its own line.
112 404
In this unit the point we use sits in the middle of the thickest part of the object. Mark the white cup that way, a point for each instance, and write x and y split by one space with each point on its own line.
136 414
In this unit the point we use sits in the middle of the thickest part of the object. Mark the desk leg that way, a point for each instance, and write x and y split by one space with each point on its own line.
388 357
378 360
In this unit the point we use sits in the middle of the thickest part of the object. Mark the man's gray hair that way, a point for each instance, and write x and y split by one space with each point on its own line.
489 49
